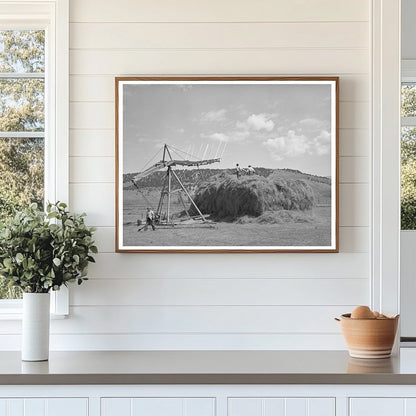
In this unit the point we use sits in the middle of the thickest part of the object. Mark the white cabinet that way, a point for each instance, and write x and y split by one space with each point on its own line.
281 406
208 400
44 407
157 406
383 406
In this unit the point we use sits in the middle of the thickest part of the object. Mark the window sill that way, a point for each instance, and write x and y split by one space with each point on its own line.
11 309
17 316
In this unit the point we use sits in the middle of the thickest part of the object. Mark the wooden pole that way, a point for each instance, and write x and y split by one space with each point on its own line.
168 151
162 197
164 152
184 206
188 195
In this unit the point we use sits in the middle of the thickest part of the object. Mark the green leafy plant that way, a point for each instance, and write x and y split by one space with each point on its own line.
43 251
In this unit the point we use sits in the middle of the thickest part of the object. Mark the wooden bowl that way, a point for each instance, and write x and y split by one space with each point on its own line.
369 338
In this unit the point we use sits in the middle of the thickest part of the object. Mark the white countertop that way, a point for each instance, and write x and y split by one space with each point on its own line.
208 367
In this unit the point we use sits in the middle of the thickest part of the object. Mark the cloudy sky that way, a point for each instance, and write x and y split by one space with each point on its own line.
273 125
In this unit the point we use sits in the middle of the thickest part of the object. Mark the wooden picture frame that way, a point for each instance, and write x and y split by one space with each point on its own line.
227 164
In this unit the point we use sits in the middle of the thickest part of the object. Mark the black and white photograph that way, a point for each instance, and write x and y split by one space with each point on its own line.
227 164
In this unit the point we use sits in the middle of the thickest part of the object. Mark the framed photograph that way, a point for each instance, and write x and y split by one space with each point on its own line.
227 164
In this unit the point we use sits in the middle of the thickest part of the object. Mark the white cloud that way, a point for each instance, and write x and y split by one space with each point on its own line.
322 143
214 115
254 127
290 145
257 122
221 137
239 135
230 136
293 145
311 123
260 122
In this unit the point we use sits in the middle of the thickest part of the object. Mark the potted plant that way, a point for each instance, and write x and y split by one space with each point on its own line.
40 252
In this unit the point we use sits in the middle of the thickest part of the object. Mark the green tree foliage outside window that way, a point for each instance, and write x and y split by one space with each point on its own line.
21 110
408 160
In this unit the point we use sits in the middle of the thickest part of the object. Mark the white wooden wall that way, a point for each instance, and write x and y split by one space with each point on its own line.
214 301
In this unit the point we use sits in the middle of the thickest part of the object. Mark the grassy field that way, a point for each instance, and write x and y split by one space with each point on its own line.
316 230
275 228
231 234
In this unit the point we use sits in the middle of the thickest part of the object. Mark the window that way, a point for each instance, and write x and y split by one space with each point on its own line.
408 150
33 111
22 124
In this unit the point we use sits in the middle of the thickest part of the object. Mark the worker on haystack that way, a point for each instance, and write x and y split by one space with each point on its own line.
150 219
250 170
237 170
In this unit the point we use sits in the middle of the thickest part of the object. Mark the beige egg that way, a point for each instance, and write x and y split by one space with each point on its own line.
362 312
376 314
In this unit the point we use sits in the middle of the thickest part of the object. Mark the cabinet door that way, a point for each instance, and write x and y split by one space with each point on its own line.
377 407
155 406
272 406
44 407
392 406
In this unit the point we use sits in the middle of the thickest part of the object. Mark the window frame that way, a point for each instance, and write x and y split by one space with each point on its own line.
53 17
385 156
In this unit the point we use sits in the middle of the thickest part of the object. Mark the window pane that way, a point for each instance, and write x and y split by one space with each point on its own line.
21 182
22 105
408 178
21 173
22 51
408 100
408 144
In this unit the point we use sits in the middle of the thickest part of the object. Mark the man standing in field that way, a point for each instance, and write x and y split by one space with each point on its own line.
150 219
237 170
250 170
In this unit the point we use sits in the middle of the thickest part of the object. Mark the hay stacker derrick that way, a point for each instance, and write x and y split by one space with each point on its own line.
169 163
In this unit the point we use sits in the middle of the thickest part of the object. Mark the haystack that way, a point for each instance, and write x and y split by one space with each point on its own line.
225 197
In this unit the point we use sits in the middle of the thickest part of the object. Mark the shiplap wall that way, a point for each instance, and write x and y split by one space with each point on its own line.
214 301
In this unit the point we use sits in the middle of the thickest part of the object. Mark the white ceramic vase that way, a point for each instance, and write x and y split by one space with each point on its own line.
35 326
